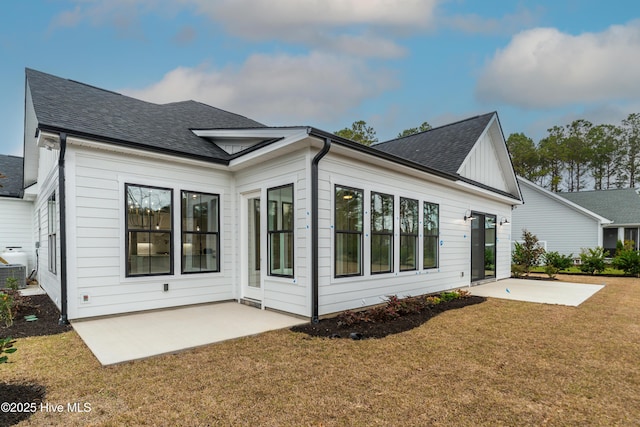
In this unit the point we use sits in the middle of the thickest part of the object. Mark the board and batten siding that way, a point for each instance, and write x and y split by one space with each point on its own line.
16 222
291 295
563 228
96 214
338 294
483 164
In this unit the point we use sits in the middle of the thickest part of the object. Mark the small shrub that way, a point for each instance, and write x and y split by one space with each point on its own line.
529 253
554 262
6 347
517 270
6 308
448 296
12 283
627 260
592 260
432 300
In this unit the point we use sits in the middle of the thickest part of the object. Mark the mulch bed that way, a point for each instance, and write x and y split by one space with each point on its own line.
330 328
24 398
47 324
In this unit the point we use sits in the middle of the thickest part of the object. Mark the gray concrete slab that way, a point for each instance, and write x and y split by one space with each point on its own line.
122 338
540 291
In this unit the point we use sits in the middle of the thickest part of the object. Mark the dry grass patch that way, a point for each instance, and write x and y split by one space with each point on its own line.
497 363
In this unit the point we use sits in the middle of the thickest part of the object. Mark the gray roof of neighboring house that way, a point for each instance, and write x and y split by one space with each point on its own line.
443 148
11 167
78 108
622 206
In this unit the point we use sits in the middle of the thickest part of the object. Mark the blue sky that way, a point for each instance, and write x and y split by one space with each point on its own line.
328 63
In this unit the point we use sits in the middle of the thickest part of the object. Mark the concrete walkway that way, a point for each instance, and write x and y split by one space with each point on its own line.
128 337
540 291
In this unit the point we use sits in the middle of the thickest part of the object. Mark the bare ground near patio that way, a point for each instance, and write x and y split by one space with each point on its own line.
496 363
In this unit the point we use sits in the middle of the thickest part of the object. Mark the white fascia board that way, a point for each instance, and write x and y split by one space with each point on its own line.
287 139
564 201
259 133
488 193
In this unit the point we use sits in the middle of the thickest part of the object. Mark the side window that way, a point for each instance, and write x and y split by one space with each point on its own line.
431 232
149 231
348 231
200 215
381 233
408 234
280 223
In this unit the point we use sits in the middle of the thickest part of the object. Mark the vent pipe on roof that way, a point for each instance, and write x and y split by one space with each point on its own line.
314 228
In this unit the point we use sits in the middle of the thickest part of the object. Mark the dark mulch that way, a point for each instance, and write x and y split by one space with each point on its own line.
47 324
331 329
20 401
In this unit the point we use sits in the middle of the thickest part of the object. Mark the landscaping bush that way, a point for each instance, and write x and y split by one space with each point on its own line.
6 347
627 260
528 254
554 262
592 260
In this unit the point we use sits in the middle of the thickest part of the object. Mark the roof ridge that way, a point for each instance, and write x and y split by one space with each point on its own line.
436 128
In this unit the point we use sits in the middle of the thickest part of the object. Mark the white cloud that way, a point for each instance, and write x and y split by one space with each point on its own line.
507 24
544 67
281 89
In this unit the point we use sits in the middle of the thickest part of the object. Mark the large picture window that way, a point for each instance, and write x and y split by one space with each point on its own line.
200 232
408 234
381 233
348 231
431 233
149 230
280 229
52 233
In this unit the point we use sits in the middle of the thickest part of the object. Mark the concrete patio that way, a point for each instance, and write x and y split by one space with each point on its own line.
117 339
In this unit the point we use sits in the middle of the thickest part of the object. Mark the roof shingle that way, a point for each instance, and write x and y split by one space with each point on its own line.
11 168
622 206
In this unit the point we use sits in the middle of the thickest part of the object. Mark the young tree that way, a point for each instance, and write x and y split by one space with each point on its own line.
412 131
359 132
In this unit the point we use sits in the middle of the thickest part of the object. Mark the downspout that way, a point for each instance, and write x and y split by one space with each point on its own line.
64 320
315 228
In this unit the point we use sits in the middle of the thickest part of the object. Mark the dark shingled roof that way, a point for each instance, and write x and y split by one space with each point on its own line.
11 167
622 206
443 148
77 108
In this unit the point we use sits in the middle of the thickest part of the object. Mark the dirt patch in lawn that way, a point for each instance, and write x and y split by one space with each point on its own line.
332 327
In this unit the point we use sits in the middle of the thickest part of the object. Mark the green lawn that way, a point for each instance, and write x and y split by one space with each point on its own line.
496 363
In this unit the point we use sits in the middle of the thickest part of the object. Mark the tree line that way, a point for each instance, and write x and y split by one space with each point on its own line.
580 156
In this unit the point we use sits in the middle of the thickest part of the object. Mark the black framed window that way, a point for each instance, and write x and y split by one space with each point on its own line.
381 233
431 234
200 215
408 234
348 231
280 219
52 233
149 230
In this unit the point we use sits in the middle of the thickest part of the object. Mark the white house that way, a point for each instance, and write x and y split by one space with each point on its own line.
569 222
16 212
142 206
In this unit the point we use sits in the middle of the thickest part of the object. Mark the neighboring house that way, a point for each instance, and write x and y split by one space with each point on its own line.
16 211
142 206
621 206
568 222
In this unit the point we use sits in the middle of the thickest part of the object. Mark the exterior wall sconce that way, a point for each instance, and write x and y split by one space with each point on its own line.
503 221
467 216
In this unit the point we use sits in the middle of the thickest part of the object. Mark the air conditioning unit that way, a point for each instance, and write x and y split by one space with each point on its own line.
16 271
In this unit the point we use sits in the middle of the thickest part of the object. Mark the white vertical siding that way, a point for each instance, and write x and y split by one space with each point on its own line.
563 228
483 165
337 294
